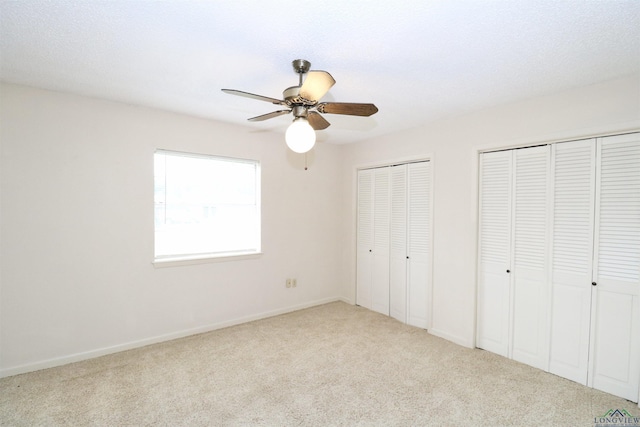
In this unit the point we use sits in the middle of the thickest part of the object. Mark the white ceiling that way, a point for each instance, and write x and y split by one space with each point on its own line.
417 60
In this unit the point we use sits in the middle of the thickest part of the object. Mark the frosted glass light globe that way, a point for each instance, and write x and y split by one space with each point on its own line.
300 136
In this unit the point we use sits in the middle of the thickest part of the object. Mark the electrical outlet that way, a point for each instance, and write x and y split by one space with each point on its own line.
288 283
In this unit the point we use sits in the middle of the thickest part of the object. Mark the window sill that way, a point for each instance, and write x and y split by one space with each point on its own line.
204 259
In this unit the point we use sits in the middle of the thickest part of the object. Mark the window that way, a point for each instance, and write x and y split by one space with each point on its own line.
205 206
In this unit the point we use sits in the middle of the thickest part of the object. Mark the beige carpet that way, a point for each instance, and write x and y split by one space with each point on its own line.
333 365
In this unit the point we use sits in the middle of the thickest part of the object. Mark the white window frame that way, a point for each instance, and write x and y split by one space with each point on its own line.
164 259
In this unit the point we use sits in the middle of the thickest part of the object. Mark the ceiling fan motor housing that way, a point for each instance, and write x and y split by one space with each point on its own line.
292 97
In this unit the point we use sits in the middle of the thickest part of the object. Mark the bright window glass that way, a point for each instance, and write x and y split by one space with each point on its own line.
205 206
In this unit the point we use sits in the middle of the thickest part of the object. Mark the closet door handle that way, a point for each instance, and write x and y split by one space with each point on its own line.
593 283
369 250
407 256
508 271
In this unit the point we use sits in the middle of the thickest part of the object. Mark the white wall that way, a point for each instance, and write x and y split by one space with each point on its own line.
76 211
454 145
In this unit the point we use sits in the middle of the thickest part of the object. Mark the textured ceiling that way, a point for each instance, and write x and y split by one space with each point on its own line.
418 61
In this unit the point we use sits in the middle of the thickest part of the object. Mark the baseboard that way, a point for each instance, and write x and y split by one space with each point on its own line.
346 300
465 342
77 357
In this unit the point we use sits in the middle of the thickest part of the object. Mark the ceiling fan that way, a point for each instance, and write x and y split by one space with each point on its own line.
302 100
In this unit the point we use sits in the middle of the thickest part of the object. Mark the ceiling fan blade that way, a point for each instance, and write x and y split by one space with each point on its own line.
254 96
316 121
269 115
348 108
316 84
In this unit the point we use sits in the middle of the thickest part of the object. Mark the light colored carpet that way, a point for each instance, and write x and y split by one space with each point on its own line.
335 365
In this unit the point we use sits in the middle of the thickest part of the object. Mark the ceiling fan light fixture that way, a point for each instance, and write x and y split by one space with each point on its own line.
300 136
302 101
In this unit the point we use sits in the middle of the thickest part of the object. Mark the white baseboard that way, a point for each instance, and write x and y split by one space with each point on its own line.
346 300
465 342
77 357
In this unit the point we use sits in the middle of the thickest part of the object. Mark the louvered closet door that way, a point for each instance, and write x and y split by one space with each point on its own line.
398 256
615 365
364 261
573 170
530 293
381 219
494 249
419 247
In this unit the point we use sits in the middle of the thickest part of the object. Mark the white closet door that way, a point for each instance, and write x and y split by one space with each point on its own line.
530 295
573 165
495 250
364 261
398 256
381 219
419 247
615 364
